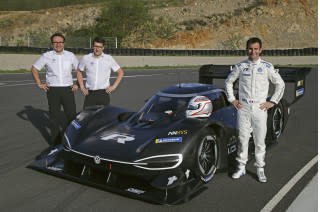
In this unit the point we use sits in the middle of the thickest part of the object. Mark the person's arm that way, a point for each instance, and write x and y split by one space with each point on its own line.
275 78
279 84
75 64
36 77
116 83
80 81
233 76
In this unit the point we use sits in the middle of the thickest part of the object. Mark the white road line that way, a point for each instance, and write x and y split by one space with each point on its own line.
1 86
18 81
286 188
4 84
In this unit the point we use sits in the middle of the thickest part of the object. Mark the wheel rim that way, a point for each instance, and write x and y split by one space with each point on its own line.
277 122
207 155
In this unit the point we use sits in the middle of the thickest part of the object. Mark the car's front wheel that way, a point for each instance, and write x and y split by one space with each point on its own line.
207 155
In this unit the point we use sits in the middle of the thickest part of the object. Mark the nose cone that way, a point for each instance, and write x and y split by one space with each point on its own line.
115 145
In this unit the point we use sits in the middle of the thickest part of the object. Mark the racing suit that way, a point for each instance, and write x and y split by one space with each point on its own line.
254 80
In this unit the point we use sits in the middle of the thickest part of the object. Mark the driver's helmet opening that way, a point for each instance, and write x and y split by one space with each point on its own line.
163 106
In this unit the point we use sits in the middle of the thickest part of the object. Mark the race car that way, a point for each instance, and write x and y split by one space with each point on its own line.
166 152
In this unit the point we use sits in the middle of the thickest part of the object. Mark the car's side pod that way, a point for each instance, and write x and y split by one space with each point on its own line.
296 75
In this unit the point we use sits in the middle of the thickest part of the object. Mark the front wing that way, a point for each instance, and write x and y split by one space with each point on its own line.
51 161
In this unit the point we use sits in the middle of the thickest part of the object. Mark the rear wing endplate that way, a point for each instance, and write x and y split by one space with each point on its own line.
296 75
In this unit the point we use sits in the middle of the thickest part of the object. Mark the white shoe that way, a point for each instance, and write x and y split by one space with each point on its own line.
239 173
261 176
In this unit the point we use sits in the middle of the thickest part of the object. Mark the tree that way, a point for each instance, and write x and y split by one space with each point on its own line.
121 17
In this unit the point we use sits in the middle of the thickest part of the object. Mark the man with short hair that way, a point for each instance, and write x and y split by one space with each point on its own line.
59 85
254 75
98 68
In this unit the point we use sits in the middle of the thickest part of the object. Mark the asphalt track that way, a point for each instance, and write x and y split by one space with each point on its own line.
24 133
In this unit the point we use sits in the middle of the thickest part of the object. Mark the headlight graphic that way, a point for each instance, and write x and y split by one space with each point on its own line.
160 162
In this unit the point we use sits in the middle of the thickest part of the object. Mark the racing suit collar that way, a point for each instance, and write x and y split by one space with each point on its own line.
255 63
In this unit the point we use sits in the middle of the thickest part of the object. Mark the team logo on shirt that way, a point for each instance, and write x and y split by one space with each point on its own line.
53 60
259 69
92 63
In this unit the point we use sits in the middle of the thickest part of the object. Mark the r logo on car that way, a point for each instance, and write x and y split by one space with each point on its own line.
120 138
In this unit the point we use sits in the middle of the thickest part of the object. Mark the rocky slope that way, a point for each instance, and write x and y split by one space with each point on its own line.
198 24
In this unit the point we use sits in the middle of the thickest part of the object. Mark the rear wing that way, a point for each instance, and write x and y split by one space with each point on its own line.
296 75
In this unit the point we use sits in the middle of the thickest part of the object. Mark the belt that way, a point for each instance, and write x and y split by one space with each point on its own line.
250 101
99 90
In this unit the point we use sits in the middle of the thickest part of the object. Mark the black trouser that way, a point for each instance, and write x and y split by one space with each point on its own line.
58 96
97 97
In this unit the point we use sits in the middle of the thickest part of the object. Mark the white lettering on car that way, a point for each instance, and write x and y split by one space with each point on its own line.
171 180
120 138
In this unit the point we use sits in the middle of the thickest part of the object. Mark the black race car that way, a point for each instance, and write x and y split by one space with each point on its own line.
159 154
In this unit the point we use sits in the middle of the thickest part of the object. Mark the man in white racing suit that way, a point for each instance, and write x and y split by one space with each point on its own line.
254 75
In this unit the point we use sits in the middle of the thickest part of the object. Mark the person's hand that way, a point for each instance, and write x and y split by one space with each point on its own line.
74 87
44 86
85 91
237 104
110 89
266 105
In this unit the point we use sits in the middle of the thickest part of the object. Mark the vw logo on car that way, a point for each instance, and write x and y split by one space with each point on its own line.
97 159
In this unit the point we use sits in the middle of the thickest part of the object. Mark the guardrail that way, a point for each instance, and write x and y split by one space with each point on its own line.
169 52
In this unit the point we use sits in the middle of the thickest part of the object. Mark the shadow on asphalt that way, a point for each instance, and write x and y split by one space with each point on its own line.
40 120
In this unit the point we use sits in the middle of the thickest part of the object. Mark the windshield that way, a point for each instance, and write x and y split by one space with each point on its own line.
159 107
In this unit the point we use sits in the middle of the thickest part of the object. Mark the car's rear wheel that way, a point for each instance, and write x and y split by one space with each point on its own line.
275 121
207 155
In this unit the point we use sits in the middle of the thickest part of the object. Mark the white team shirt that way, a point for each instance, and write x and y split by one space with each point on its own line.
58 67
98 70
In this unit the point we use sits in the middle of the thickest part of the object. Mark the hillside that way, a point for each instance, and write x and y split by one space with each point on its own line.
196 24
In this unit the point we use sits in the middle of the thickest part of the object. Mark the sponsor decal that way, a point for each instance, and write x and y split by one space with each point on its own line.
247 75
75 124
171 180
136 191
259 69
300 83
92 63
178 132
97 159
245 69
119 137
299 92
168 140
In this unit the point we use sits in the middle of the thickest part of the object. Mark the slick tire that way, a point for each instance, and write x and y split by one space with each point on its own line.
275 122
207 155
